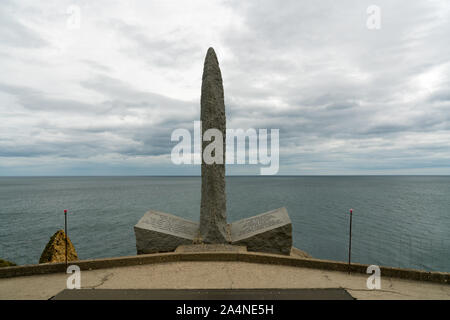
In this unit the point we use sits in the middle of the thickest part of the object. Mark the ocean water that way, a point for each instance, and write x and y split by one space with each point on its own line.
401 221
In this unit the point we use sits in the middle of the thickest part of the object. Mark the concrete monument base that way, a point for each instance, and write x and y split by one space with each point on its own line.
163 232
269 232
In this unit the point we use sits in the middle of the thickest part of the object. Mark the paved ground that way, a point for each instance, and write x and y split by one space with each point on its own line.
220 275
204 294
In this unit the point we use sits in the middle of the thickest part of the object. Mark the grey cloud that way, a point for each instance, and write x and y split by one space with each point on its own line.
87 139
96 66
35 100
16 34
156 50
440 96
122 97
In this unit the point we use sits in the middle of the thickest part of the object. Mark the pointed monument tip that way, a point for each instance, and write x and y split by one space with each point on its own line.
211 55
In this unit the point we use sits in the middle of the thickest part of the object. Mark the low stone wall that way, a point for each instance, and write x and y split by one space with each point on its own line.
251 257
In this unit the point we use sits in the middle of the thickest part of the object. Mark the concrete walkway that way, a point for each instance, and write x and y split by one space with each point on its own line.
220 275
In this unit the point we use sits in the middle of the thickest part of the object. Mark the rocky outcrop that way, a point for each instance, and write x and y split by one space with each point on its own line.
55 250
6 263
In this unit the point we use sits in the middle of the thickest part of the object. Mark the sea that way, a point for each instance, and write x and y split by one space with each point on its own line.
398 221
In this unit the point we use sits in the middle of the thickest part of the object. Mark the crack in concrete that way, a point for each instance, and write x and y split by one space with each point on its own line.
390 283
326 276
102 281
229 276
445 291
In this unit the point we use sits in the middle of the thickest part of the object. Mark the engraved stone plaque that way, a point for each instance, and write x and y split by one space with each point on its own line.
268 232
161 232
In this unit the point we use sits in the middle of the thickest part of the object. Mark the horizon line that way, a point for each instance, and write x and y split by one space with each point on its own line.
235 175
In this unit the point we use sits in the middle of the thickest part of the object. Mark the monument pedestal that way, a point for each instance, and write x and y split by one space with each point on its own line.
269 232
163 232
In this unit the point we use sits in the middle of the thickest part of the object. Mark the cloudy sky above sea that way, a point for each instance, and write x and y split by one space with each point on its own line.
103 98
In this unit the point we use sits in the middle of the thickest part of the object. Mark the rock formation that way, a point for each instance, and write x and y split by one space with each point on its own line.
55 250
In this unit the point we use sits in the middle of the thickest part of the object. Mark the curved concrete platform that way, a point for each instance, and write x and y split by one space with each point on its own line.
208 267
220 275
297 258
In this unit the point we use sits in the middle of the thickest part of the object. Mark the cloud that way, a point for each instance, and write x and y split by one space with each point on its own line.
128 123
164 51
347 100
14 33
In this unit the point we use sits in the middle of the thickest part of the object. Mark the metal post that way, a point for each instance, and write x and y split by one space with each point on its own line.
65 231
350 241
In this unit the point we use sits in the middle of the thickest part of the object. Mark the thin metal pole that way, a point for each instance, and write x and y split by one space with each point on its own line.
65 231
350 241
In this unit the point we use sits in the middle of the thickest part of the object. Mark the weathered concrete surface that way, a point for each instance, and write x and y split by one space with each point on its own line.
221 247
213 216
162 232
252 257
55 250
268 232
222 274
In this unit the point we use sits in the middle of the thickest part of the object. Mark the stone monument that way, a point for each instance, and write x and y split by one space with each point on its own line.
213 210
161 232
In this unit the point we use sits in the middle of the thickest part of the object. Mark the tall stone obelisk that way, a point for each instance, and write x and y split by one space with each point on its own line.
213 211
161 232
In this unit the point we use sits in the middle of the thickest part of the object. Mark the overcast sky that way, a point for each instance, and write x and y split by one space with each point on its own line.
104 98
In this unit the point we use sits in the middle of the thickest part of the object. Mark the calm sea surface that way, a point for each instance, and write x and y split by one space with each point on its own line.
401 221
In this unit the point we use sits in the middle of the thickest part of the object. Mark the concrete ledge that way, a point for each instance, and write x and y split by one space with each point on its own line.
251 257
